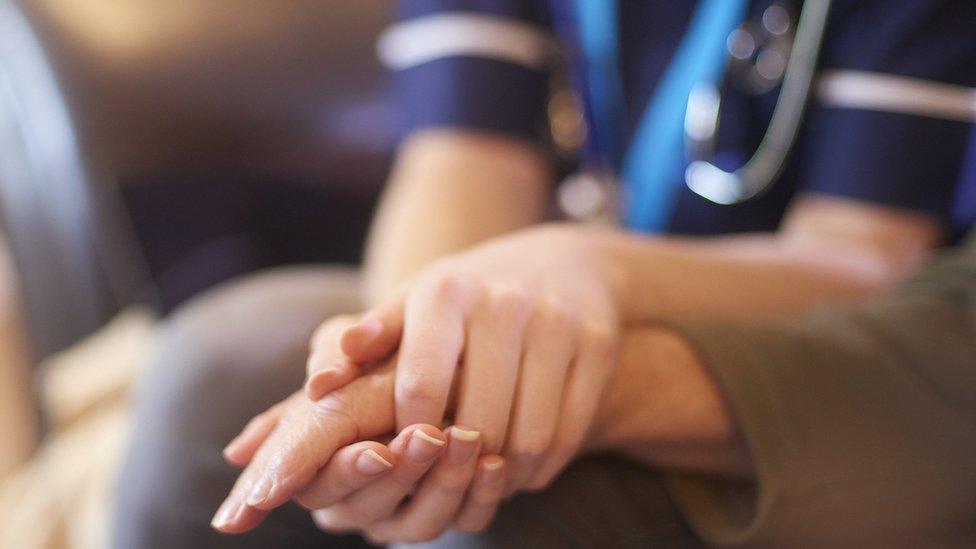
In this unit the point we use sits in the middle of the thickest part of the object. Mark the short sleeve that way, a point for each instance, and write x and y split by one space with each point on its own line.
477 64
893 109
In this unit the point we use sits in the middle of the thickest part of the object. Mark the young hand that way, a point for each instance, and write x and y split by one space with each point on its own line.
536 318
457 489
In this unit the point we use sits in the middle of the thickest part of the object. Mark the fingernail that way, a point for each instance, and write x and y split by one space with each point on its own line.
228 451
491 470
462 447
467 435
423 447
371 463
223 515
260 492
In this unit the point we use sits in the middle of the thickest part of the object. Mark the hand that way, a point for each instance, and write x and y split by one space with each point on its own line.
536 318
284 448
661 407
362 485
457 490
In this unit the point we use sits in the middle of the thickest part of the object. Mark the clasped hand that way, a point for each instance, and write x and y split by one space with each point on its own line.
513 341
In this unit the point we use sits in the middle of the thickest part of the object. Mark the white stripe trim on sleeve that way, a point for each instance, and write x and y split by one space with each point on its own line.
417 41
896 94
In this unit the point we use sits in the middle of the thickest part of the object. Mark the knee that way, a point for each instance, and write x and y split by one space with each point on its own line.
245 339
249 323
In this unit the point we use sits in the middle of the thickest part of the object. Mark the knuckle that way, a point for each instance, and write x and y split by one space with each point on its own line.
451 485
337 405
509 302
601 340
528 449
416 388
336 415
555 319
445 286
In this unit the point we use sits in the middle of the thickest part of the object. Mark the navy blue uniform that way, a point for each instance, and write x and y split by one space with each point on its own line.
889 156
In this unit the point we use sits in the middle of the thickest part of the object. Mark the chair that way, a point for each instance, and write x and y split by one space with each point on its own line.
102 99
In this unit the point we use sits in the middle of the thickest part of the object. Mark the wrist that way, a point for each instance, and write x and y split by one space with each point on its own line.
663 402
608 251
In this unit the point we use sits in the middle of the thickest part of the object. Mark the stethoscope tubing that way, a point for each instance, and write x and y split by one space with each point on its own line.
759 173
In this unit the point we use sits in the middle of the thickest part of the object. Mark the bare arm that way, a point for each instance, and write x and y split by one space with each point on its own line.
829 249
451 189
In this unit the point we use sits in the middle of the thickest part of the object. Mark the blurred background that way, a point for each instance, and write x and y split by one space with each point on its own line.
149 150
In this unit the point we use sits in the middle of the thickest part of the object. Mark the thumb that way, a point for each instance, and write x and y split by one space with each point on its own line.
377 334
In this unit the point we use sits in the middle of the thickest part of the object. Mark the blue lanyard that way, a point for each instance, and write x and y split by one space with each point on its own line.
653 163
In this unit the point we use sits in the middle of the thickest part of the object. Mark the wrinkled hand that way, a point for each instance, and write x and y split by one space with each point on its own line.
284 448
294 450
535 316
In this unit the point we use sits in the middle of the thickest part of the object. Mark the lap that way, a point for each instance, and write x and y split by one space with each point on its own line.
233 353
222 359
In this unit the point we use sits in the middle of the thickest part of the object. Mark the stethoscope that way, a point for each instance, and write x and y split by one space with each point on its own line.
761 55
758 55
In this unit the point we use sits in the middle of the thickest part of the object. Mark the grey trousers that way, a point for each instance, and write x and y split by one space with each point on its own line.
237 350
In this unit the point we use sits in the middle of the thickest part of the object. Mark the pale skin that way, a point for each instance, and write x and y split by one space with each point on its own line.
526 328
682 424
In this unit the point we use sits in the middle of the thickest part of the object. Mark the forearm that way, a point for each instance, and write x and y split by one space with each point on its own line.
448 191
737 277
826 249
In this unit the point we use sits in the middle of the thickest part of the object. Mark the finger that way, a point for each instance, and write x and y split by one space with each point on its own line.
328 368
432 341
235 517
415 448
434 505
309 433
549 350
376 334
350 469
241 449
584 389
483 497
491 366
287 461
